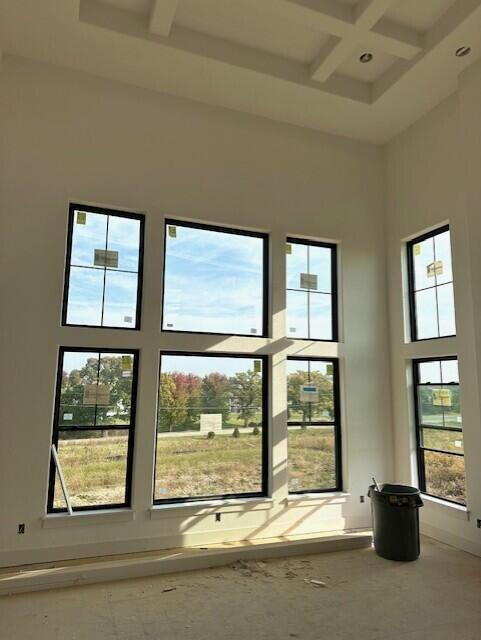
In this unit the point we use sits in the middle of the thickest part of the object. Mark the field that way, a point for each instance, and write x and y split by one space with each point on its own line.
194 465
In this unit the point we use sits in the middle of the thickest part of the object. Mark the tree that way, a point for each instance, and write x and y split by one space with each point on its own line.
322 410
214 394
246 390
172 405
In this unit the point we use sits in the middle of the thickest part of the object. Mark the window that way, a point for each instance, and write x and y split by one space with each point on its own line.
431 286
103 275
313 422
94 428
212 427
311 290
215 280
439 429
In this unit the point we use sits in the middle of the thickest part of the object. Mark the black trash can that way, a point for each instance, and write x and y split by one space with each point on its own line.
395 517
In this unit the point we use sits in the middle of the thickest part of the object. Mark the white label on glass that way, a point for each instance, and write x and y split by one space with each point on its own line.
308 281
459 419
103 258
210 422
442 397
309 393
128 319
458 443
96 394
434 269
68 416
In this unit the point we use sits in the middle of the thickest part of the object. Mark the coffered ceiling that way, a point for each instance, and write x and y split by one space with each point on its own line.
294 61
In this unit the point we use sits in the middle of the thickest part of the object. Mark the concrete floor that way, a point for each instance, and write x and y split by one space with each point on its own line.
364 597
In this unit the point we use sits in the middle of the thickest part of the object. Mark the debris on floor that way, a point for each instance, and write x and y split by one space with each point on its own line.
316 583
250 567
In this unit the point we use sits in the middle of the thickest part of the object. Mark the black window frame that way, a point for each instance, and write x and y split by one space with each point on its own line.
266 324
419 426
130 428
336 423
334 287
265 458
411 290
73 207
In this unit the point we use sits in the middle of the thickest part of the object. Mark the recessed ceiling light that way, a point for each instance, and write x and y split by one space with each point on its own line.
367 57
463 51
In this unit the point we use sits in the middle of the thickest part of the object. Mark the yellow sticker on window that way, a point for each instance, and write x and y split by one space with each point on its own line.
288 248
126 363
329 369
417 249
442 397
173 232
81 217
257 366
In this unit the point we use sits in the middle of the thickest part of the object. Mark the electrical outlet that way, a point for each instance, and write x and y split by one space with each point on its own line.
217 517
478 523
361 499
21 528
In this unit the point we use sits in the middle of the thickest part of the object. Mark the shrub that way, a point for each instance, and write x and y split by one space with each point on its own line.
211 435
256 431
236 433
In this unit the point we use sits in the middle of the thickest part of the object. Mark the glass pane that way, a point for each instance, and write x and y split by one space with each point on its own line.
89 233
316 374
452 409
320 316
430 372
431 405
213 282
124 238
297 314
320 264
449 370
94 465
312 459
79 370
443 440
85 296
120 302
442 243
296 263
423 255
210 422
447 324
115 381
445 476
426 314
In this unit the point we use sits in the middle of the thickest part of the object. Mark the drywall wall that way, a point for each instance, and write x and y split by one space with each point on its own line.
66 137
434 177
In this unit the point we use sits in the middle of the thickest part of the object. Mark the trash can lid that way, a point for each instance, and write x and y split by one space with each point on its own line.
398 488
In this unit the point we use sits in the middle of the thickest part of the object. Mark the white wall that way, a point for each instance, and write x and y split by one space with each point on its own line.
68 136
433 177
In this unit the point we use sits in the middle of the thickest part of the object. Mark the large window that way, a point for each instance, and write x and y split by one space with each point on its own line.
215 280
212 427
311 290
314 439
431 286
94 428
104 268
439 429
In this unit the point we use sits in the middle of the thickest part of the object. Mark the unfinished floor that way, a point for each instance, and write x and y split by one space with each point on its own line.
438 596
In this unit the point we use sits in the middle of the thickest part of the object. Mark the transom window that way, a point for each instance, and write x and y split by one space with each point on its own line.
215 280
211 427
311 290
93 429
439 429
313 422
431 286
103 275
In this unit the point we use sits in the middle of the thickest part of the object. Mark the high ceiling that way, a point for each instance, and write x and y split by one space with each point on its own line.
294 61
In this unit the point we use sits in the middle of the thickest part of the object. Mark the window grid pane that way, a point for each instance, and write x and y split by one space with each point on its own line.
311 296
431 286
93 428
314 461
439 429
103 269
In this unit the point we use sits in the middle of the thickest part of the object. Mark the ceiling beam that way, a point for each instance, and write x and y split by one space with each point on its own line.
366 14
162 17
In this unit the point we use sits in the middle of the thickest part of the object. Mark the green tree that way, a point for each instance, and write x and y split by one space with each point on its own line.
322 410
246 393
214 394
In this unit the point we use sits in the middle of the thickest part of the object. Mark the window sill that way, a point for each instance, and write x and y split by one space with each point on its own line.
56 520
205 507
304 499
450 508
